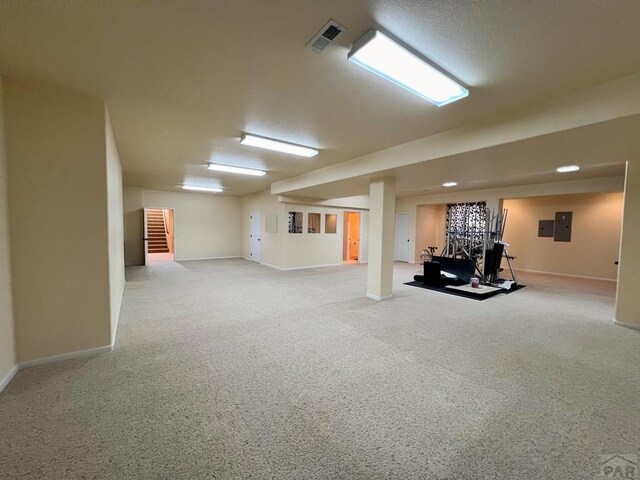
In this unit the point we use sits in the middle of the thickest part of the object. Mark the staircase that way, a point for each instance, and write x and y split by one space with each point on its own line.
156 231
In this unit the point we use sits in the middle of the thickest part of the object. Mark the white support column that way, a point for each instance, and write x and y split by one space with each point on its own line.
627 298
382 211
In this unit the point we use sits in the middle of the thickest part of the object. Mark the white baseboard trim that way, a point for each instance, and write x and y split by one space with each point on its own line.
268 265
65 356
289 269
249 259
635 326
565 275
377 298
8 377
206 258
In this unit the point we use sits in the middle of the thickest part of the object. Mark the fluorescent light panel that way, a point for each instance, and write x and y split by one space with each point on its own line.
278 146
218 167
379 54
568 168
450 184
202 189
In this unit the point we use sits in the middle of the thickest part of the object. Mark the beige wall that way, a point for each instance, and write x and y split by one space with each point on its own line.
308 249
628 299
430 226
7 346
115 226
133 226
591 253
287 250
206 225
493 198
56 153
595 236
271 244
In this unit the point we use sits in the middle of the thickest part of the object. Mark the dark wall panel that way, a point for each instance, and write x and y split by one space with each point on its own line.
562 231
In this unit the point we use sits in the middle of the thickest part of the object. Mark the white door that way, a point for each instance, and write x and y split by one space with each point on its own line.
402 237
254 233
145 239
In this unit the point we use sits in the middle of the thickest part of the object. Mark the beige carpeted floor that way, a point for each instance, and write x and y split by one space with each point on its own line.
228 369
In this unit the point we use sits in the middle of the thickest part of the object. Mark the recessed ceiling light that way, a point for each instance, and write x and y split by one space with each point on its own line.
202 189
450 184
231 169
278 146
379 54
568 168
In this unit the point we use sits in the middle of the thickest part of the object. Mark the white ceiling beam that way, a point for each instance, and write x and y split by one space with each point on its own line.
608 101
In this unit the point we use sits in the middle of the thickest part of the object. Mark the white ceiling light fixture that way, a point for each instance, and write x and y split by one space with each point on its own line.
277 146
568 168
450 184
218 167
196 188
379 54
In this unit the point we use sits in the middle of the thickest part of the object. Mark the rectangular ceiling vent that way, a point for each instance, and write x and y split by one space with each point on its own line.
327 34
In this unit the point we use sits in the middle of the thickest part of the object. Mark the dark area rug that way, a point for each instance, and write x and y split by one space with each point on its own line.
458 293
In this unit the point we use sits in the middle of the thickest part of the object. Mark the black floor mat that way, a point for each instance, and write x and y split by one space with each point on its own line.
458 293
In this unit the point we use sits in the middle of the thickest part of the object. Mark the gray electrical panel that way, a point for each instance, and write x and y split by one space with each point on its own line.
545 228
562 230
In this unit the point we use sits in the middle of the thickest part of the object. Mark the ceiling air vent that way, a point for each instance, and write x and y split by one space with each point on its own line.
325 36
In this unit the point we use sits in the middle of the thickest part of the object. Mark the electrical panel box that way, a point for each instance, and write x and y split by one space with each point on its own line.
562 230
545 228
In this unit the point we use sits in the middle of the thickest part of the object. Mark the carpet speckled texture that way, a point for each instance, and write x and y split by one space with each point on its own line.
228 369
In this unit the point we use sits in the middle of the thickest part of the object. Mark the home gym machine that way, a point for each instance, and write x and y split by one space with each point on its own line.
474 246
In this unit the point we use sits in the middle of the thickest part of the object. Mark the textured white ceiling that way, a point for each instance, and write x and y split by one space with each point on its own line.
184 79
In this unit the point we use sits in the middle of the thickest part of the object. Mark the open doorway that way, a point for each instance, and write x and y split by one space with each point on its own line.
351 237
159 244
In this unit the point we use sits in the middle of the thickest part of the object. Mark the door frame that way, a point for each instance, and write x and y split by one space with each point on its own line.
145 236
408 239
173 220
145 233
345 224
